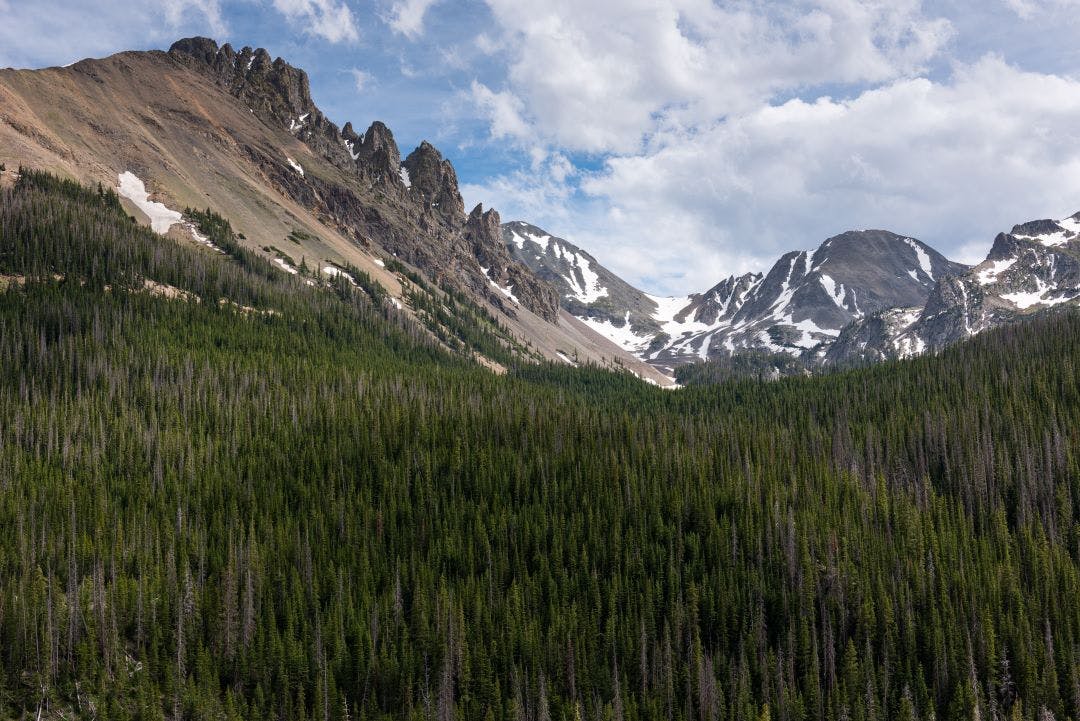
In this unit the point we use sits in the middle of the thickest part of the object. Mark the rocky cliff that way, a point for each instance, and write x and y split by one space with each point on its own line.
413 208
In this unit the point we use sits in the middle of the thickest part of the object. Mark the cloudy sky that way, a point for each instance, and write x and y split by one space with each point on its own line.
677 140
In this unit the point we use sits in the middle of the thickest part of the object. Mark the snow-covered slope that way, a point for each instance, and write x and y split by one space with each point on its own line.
798 308
588 290
801 305
1033 268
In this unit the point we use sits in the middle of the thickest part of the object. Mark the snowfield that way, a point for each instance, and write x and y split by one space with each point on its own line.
161 217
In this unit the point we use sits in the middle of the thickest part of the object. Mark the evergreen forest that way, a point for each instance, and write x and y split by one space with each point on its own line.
228 493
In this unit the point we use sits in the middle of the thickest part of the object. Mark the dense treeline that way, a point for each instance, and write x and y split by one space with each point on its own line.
212 513
755 365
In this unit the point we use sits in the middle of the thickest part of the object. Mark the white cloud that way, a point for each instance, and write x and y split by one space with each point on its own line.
57 32
1023 8
177 10
407 17
598 76
541 192
1027 9
331 20
951 162
362 79
502 110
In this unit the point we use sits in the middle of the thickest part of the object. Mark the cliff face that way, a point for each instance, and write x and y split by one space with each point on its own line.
511 279
412 209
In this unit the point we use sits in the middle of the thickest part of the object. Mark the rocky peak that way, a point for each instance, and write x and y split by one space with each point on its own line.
483 232
512 280
725 298
348 134
586 288
274 90
198 48
377 150
434 179
1035 228
485 223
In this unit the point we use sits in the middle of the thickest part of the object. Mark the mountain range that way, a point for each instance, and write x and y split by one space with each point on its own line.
203 125
289 432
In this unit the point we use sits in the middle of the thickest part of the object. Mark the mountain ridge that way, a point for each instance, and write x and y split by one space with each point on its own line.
203 126
798 307
238 131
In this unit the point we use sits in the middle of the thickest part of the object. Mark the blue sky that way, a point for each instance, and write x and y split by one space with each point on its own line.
678 141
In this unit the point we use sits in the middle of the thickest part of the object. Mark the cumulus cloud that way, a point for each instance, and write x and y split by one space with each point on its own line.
951 162
502 110
331 20
597 76
407 16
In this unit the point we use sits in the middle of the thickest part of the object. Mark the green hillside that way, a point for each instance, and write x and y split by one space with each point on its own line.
262 499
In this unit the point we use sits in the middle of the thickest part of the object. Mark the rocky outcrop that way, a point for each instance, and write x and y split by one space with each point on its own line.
377 155
723 300
280 95
1031 269
506 276
412 209
434 182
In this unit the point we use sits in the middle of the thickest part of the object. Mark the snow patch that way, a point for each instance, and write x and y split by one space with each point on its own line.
835 291
622 336
1026 299
295 165
1071 224
519 239
703 351
202 239
923 257
333 271
405 177
298 123
668 308
161 217
508 291
1068 229
590 289
990 274
284 265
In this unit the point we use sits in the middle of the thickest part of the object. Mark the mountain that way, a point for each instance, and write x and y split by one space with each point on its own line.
237 132
205 126
587 289
798 308
1033 268
254 463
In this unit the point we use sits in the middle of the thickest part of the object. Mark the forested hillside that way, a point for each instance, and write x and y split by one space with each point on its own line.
227 494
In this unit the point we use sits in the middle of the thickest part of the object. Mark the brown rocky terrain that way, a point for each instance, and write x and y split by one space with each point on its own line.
238 132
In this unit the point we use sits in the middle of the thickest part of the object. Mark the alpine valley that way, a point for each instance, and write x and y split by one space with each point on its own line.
289 432
239 132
